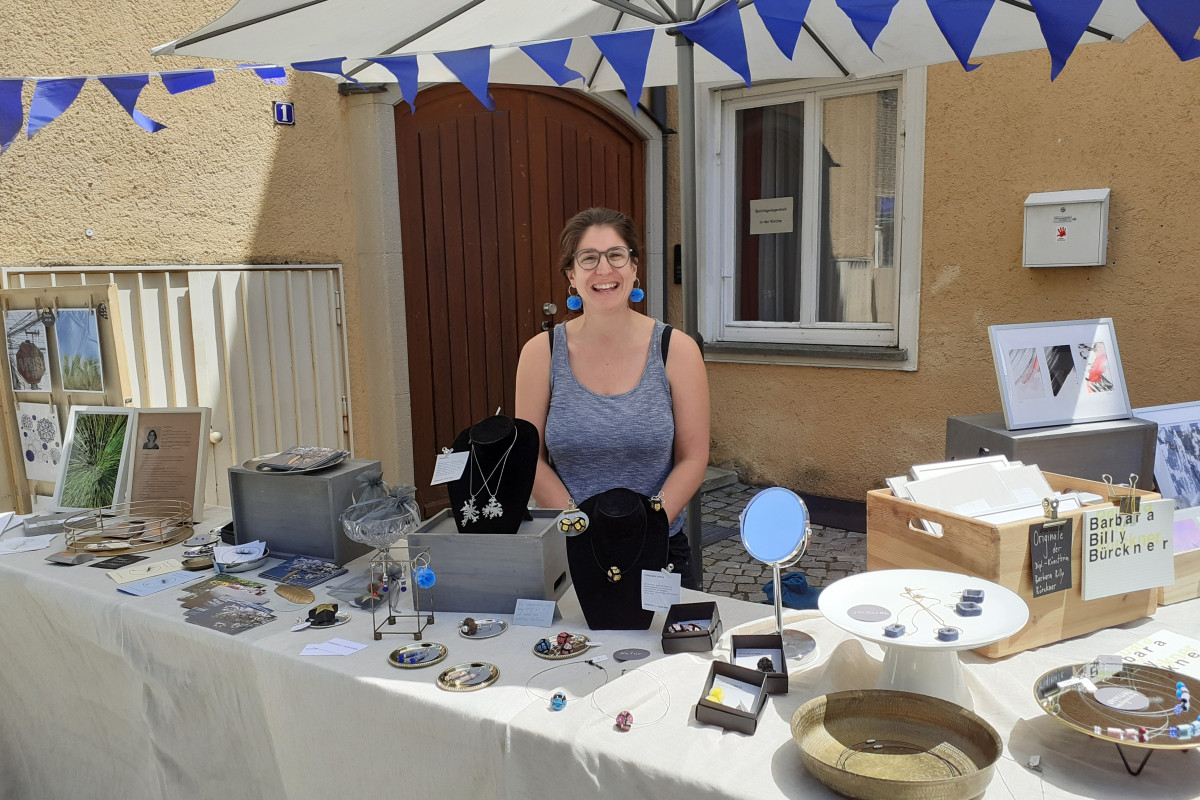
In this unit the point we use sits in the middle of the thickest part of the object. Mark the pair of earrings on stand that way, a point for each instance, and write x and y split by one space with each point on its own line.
575 302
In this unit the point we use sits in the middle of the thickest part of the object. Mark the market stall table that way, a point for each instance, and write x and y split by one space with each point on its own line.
106 695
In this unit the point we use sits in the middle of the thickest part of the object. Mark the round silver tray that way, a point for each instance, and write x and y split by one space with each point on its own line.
255 464
431 653
487 628
470 677
579 646
340 618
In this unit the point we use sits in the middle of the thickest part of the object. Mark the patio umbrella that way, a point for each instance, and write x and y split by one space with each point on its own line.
522 42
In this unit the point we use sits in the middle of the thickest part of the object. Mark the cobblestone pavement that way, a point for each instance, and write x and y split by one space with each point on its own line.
731 572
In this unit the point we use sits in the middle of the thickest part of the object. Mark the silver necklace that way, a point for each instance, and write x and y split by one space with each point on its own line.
492 508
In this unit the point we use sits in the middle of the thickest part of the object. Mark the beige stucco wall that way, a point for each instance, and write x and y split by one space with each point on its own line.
1121 116
222 184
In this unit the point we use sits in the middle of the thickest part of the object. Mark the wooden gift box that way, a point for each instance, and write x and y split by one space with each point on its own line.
1000 553
489 572
1187 579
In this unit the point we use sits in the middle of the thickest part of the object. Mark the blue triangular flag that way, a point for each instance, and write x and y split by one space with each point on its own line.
276 76
404 69
629 53
325 66
472 68
12 112
552 58
51 97
961 21
869 17
1063 25
126 88
179 82
1177 22
784 19
720 33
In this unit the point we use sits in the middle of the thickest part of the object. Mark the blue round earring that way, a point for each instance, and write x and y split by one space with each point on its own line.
574 301
637 295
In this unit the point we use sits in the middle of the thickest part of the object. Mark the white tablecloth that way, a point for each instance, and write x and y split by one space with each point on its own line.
104 695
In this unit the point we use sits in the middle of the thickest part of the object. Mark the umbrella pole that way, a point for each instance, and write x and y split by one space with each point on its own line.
687 226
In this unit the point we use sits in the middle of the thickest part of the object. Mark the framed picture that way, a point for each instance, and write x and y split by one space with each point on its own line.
92 473
1177 454
79 365
1058 373
28 358
168 453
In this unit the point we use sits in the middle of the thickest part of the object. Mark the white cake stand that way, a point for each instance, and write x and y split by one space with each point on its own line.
923 601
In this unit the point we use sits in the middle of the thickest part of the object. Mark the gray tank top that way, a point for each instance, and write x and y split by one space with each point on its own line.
599 442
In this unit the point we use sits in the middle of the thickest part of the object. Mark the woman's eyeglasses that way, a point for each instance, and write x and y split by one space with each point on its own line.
590 259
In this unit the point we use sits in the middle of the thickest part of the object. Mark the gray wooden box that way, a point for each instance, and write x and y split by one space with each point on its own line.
296 514
1085 450
488 572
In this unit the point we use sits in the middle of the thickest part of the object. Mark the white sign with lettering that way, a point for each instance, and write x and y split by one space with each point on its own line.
1128 552
772 215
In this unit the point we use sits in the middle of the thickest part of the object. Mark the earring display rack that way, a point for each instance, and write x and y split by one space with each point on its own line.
395 577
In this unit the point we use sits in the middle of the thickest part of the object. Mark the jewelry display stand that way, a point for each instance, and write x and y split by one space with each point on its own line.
922 601
625 536
492 495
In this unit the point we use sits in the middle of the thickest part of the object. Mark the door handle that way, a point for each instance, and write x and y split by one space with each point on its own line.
549 309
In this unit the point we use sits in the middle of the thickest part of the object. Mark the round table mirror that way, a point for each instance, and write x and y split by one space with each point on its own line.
775 531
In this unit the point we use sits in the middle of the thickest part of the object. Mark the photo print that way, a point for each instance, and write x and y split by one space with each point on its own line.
1096 376
41 441
1061 366
1025 370
28 358
93 473
1179 445
79 365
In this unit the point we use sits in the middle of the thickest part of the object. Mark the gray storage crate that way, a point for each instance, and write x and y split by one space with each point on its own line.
1085 450
296 514
489 572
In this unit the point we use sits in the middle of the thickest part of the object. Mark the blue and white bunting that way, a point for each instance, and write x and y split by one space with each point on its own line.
327 66
552 58
404 70
629 54
961 22
1063 25
784 20
1177 22
869 17
126 89
12 113
185 81
51 97
472 68
720 33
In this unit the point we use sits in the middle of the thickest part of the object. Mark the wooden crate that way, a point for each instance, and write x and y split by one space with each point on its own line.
1187 579
896 540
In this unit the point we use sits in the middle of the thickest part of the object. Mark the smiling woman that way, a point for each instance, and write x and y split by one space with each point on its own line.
615 406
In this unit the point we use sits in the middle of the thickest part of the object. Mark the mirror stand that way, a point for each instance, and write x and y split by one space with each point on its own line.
796 644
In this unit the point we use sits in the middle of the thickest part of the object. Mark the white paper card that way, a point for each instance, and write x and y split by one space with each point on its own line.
772 215
1127 552
534 613
6 519
1167 650
25 544
660 590
449 467
146 586
139 572
748 657
333 647
737 694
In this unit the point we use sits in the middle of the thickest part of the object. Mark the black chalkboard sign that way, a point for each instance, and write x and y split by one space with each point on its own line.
1050 556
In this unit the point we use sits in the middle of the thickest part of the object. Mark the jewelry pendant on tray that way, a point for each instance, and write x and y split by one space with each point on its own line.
469 512
493 508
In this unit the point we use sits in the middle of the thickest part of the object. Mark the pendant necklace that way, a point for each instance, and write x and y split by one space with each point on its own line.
614 573
492 508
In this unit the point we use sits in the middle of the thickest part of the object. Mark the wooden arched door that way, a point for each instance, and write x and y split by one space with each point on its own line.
483 198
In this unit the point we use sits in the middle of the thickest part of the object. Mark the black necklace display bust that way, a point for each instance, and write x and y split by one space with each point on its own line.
625 536
492 496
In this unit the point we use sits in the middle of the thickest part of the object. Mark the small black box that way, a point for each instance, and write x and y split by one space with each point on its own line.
692 641
730 717
776 682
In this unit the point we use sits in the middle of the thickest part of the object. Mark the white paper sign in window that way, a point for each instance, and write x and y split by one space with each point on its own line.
772 215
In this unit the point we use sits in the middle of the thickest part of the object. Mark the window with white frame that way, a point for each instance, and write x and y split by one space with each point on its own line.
809 244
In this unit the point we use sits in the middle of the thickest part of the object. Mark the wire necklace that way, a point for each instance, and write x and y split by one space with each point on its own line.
615 573
492 508
559 699
624 720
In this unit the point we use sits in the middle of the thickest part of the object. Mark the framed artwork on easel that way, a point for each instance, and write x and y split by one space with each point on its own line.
95 457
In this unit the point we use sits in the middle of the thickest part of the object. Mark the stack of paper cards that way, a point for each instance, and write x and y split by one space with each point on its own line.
228 616
333 647
25 544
